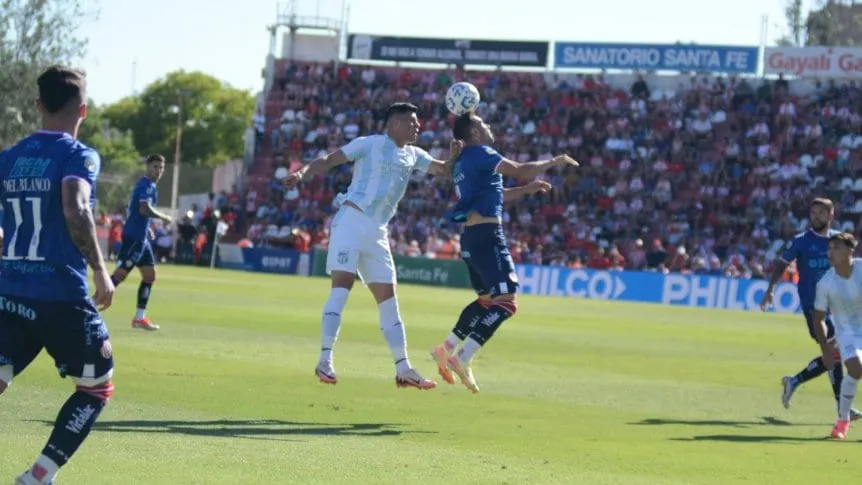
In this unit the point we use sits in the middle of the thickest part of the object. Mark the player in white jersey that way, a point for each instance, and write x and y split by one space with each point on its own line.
840 292
359 236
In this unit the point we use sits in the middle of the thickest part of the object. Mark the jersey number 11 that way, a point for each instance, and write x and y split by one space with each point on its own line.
33 251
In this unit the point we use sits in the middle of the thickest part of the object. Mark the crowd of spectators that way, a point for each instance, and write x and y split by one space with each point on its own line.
713 176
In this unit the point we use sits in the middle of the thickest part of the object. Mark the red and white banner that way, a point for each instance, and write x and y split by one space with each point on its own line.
823 62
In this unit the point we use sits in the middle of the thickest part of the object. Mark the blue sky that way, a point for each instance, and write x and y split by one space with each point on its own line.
133 43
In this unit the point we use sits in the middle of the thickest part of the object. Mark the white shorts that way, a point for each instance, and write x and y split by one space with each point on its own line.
360 246
849 343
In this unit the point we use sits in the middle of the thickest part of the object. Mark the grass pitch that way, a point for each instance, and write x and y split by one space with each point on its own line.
573 391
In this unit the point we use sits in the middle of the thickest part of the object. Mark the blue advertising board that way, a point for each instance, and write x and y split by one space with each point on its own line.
669 289
260 260
656 57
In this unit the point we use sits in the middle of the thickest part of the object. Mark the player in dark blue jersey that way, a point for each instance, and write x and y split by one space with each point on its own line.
478 177
809 249
136 249
47 187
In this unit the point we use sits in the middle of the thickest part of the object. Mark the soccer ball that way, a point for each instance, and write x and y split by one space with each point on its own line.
462 98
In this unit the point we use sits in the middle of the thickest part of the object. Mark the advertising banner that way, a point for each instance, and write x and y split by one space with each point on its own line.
826 62
261 260
656 57
448 51
669 289
435 272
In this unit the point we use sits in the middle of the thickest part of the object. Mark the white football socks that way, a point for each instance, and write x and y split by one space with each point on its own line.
468 350
331 322
451 343
849 386
393 331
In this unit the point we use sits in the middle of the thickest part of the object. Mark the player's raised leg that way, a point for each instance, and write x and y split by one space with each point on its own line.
342 283
76 337
342 261
391 324
484 249
377 269
392 328
790 384
465 324
501 309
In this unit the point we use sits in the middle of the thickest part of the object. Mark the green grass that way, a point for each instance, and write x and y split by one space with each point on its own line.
573 391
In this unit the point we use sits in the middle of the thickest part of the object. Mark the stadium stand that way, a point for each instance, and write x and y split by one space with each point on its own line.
709 177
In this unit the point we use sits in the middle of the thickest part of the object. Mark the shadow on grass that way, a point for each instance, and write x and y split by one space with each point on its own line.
247 429
729 438
764 421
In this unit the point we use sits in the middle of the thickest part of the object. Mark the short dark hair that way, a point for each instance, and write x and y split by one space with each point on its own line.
399 109
463 125
823 202
845 238
155 158
60 87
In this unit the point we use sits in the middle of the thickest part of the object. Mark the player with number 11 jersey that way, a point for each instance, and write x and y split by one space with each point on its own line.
47 189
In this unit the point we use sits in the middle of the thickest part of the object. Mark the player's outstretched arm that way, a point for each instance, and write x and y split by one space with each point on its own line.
81 222
441 168
147 210
317 166
515 193
531 170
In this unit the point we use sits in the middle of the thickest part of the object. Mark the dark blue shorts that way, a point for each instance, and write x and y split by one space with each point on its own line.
492 271
71 331
135 252
809 320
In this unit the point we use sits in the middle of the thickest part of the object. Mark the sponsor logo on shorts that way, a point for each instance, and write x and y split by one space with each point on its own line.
17 308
